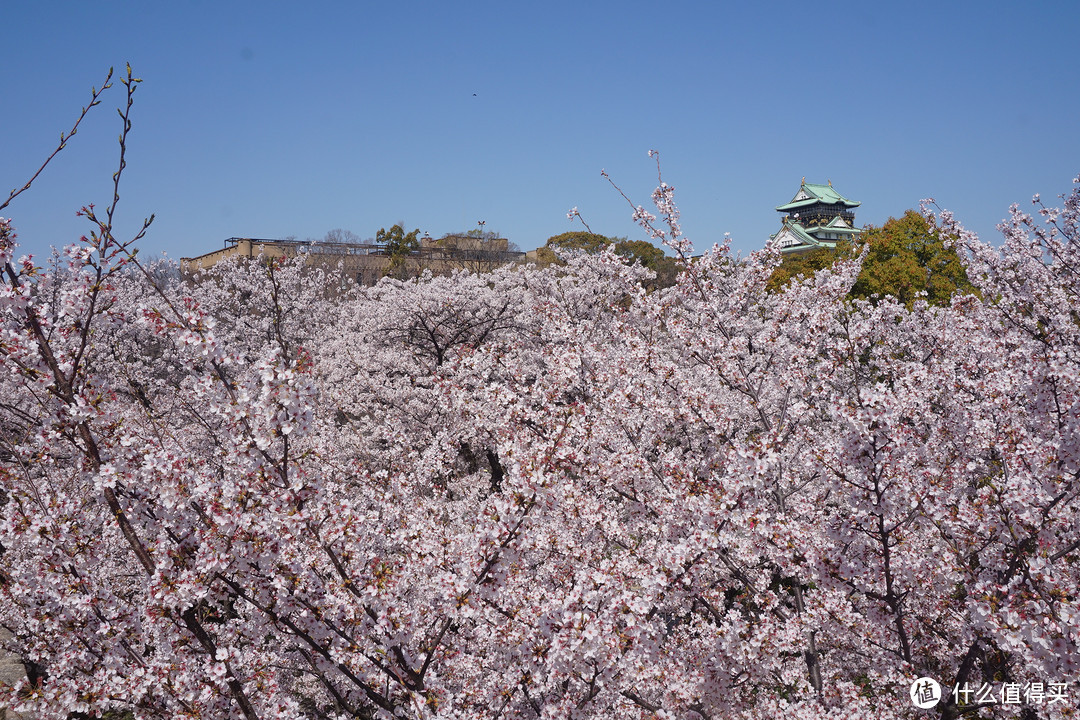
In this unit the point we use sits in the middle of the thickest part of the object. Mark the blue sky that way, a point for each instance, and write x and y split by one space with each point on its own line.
277 119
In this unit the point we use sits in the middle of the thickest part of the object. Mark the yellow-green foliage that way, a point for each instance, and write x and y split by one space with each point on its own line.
805 264
652 257
905 256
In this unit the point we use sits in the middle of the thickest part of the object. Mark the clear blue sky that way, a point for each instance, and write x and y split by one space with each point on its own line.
273 119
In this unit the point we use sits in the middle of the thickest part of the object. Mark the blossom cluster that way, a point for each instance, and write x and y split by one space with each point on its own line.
540 492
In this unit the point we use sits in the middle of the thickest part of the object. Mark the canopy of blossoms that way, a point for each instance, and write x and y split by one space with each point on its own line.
540 493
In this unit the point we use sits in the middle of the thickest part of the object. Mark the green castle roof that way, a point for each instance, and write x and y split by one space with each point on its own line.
813 194
804 237
814 237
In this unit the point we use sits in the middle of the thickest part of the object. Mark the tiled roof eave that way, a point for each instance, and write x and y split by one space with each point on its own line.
816 201
837 230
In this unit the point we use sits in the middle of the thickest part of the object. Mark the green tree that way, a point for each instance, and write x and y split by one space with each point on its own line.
806 264
905 256
649 255
589 242
652 257
398 245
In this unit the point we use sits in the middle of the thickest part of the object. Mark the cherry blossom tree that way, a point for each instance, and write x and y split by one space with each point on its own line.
539 492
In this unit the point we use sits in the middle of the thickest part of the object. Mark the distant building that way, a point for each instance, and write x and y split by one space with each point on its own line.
366 263
817 217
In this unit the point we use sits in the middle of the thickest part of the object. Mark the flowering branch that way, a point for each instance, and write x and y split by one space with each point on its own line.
575 214
95 93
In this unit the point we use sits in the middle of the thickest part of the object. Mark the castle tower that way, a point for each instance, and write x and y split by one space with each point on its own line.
817 217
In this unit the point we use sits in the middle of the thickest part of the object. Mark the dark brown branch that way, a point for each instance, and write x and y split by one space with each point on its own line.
94 95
